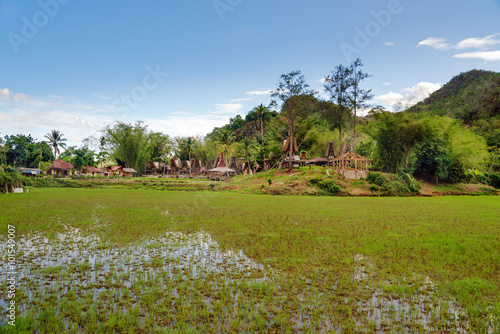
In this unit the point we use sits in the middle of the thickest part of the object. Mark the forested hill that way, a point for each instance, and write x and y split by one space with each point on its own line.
469 96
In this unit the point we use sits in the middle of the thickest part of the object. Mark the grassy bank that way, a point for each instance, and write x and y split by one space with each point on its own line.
317 263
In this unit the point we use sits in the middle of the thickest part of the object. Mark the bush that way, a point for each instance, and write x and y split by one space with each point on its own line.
491 179
378 179
328 186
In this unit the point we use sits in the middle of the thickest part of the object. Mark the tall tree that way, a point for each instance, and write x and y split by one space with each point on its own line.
56 140
358 96
337 86
187 144
127 144
291 85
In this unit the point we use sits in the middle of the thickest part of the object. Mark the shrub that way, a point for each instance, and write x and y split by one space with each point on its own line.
328 186
378 179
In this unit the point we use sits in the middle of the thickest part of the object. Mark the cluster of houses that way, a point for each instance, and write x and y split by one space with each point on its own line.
349 164
60 167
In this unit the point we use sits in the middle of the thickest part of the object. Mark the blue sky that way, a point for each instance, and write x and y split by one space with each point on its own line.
184 67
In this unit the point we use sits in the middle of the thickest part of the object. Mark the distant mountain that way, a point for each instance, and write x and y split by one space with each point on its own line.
469 96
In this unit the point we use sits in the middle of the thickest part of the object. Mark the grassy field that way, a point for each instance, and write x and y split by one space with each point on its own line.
135 260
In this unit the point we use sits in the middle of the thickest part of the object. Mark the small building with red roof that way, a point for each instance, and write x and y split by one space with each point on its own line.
60 167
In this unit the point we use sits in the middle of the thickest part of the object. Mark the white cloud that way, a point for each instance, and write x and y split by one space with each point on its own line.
389 43
478 43
386 84
21 97
485 55
228 108
322 80
241 100
187 124
259 92
413 95
435 43
5 94
390 98
422 90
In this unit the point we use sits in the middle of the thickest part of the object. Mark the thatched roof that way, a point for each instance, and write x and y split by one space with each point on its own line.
286 145
222 170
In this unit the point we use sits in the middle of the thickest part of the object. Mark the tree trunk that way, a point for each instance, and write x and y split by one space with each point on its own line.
248 162
340 135
262 137
291 147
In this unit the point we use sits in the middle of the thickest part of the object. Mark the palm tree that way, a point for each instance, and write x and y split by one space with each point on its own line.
55 138
261 109
188 144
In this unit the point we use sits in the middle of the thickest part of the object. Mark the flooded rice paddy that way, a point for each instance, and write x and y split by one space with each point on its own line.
187 282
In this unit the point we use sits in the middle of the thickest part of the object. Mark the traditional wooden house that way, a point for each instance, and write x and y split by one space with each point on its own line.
92 171
186 167
128 172
233 164
222 172
195 166
60 167
303 158
175 166
331 151
114 170
352 165
208 166
286 149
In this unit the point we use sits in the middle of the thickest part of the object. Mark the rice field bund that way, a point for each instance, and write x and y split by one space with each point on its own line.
145 261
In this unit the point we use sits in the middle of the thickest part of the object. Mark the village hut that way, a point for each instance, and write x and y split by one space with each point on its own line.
286 145
60 167
318 162
303 158
352 165
186 167
331 151
92 171
221 172
217 161
286 149
175 166
233 164
114 170
208 166
195 166
29 171
128 172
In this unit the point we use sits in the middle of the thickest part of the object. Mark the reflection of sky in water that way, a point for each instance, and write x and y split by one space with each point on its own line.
73 259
